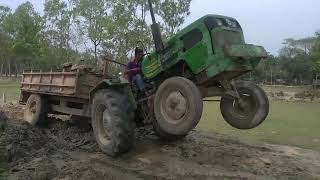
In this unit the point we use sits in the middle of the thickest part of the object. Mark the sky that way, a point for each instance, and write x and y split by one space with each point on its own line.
264 22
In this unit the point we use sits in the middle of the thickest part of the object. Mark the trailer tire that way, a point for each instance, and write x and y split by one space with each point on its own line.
112 122
36 111
178 108
255 112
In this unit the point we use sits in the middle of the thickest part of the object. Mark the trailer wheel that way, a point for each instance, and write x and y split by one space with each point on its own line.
178 108
112 122
35 110
253 110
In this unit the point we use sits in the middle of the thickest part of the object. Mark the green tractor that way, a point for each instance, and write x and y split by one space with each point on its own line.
198 62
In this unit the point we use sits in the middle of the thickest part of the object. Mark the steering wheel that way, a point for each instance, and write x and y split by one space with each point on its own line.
146 54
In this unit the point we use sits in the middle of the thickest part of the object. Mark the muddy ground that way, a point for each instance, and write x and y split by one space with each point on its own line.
68 151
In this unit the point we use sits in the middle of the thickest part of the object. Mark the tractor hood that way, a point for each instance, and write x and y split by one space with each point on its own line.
245 51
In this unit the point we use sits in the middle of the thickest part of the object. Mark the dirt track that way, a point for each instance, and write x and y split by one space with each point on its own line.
66 151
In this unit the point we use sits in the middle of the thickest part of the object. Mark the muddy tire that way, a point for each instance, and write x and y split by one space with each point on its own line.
254 110
112 122
178 108
36 110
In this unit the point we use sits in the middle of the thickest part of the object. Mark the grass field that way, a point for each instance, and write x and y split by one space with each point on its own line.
10 88
289 123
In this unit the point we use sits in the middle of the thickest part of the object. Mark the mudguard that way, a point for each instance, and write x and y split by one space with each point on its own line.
118 83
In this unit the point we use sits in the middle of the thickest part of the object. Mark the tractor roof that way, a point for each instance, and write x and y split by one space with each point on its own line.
196 24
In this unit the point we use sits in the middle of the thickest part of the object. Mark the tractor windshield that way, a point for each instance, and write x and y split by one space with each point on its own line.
224 31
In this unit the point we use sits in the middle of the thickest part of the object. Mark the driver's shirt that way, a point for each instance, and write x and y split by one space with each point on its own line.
133 65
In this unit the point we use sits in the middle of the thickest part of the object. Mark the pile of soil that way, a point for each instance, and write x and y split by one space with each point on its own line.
3 155
66 151
29 148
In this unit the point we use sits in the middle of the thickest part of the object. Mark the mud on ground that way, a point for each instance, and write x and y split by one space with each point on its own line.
67 151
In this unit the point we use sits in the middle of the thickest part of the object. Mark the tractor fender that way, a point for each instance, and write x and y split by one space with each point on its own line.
120 84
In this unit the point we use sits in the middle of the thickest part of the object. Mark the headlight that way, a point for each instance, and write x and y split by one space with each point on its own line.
232 23
219 22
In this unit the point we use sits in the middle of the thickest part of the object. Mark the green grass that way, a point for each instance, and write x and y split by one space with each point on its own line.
10 88
294 123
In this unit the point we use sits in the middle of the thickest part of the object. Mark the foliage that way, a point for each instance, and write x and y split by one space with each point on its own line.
76 30
298 63
173 13
315 54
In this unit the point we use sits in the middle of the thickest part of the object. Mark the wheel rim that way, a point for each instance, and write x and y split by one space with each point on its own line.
174 107
103 120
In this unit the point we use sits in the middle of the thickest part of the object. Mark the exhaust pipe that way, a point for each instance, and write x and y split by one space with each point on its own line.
156 33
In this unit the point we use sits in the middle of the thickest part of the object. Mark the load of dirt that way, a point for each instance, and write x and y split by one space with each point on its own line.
29 148
66 151
3 157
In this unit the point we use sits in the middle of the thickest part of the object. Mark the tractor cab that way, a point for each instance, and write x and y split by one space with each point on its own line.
224 31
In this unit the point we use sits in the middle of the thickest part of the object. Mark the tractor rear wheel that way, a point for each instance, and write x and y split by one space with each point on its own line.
178 108
247 112
35 112
112 122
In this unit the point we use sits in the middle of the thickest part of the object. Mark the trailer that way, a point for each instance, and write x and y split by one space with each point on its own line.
65 92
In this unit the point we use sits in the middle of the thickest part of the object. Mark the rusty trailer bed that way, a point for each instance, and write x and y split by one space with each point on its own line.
75 84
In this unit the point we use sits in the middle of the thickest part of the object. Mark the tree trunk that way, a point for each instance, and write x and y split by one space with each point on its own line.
271 77
9 68
1 70
16 69
95 51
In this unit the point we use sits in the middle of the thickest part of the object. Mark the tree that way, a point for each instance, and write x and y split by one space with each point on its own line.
59 18
92 17
25 27
173 14
125 28
315 55
4 13
129 24
5 51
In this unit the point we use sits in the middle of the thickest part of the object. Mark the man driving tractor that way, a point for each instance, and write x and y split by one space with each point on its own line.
134 72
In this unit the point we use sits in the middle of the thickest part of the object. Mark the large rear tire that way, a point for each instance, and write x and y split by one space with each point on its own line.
252 112
112 122
178 108
36 110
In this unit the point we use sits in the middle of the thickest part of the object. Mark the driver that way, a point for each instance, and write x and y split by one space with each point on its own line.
133 70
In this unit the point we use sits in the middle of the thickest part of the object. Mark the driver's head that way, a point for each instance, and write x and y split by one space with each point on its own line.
138 54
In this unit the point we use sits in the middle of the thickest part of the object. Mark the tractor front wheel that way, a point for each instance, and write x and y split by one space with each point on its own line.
112 122
178 108
247 112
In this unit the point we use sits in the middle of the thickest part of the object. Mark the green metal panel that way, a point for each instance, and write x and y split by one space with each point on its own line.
198 57
151 66
221 49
